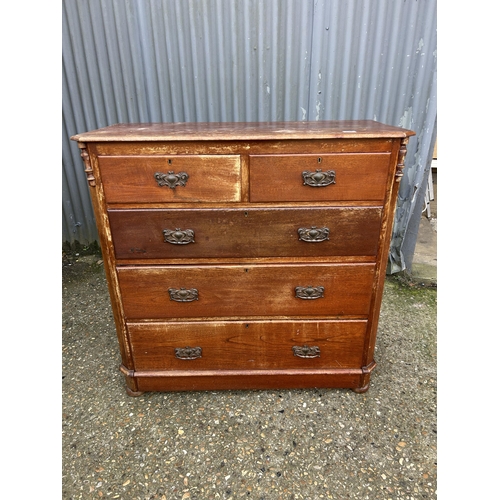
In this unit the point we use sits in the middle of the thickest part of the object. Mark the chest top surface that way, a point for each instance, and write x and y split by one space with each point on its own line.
355 129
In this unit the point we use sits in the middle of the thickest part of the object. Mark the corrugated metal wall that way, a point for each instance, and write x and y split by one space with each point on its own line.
250 60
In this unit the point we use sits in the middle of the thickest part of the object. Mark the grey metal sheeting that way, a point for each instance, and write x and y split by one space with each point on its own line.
250 60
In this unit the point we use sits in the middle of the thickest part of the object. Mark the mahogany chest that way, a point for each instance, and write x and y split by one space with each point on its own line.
245 255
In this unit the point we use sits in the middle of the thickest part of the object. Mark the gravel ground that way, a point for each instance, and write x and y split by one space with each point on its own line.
286 444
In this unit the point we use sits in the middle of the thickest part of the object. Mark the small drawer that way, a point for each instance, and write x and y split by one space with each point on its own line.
176 178
252 345
155 292
322 177
245 232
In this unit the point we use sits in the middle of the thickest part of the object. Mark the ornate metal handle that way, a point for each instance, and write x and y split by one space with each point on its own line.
171 179
318 178
178 237
306 351
187 353
313 234
183 294
309 292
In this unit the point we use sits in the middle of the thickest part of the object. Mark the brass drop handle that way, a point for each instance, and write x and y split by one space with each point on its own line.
314 234
178 236
183 294
318 178
309 292
171 179
188 353
306 351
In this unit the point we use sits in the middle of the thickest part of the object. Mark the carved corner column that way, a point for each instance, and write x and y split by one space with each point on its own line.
401 159
86 162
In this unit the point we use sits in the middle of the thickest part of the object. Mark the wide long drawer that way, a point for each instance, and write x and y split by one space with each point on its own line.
245 232
155 292
176 178
321 177
247 345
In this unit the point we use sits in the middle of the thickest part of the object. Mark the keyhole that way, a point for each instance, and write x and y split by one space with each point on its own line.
246 214
170 162
319 160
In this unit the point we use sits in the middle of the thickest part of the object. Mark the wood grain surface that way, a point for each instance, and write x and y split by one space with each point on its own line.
246 291
358 177
246 231
131 179
247 345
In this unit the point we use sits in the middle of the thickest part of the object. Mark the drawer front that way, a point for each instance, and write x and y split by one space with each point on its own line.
158 179
245 232
247 345
157 292
322 177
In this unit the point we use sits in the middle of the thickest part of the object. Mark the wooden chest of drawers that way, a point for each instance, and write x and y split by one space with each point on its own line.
245 255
